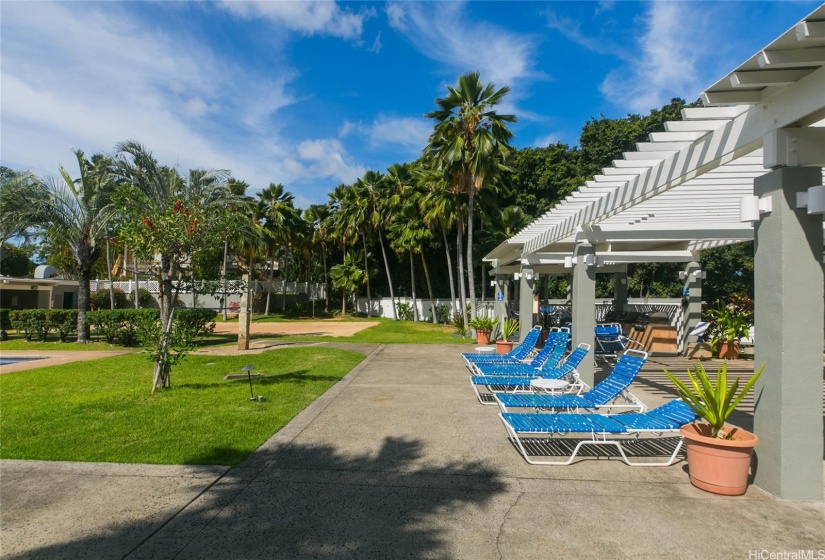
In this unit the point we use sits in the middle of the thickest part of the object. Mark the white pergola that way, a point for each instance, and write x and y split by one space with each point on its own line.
746 166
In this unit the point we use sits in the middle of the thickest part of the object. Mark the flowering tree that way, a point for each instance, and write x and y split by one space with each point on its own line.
166 219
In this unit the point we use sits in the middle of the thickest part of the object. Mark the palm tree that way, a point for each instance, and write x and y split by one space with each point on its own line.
79 212
347 277
386 203
281 221
470 143
238 189
317 215
439 208
409 233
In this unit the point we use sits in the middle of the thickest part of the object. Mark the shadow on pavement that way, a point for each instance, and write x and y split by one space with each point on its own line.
304 501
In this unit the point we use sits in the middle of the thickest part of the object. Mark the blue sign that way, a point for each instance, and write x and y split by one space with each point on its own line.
500 296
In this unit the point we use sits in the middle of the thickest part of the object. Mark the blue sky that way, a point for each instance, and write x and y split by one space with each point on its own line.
312 94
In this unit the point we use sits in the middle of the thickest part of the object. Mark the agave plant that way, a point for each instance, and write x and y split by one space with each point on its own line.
511 327
713 403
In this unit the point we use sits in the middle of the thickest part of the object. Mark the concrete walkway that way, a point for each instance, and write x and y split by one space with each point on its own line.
398 460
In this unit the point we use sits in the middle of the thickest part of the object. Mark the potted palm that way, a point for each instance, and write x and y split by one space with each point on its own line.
510 328
483 327
718 454
730 323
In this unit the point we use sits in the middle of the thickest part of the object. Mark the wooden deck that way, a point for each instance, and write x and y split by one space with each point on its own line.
653 386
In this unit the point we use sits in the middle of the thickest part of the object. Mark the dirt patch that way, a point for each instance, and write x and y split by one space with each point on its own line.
304 328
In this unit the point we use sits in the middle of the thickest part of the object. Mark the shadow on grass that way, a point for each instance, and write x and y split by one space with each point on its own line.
300 376
308 501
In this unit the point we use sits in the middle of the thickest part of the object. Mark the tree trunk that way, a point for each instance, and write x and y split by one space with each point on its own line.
194 286
412 281
109 271
470 277
137 285
389 277
223 281
366 274
83 290
429 288
269 286
449 266
283 277
459 249
326 279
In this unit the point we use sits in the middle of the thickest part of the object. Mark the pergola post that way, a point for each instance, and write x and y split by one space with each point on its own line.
584 305
692 293
500 305
788 289
620 290
525 302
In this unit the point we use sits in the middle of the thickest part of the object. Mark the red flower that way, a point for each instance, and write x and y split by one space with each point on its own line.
178 204
148 222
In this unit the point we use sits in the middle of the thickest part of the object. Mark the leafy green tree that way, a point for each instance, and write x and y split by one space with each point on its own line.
316 216
384 195
347 277
470 144
166 219
77 211
729 271
540 177
281 221
15 261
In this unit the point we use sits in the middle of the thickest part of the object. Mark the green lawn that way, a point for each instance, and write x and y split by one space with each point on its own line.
18 342
388 331
103 410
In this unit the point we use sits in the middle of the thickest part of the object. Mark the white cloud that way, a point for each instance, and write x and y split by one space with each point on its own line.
408 132
548 139
324 158
674 43
376 45
106 78
440 31
306 17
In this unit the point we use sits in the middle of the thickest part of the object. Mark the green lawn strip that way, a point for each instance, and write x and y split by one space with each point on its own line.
395 332
20 343
103 411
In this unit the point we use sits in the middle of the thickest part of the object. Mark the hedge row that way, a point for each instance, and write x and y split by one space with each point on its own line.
117 326
38 323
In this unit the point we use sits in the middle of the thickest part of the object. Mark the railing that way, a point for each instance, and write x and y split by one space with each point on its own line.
315 291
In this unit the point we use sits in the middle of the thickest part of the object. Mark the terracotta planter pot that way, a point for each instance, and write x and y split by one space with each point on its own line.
719 466
482 337
729 350
503 346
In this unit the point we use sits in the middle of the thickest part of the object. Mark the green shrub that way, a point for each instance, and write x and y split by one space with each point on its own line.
145 299
201 320
405 312
442 313
31 322
100 299
64 321
119 326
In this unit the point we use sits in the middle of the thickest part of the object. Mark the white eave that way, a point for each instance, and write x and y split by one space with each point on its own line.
683 187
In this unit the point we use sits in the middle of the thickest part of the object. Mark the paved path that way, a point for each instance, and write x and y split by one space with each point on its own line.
307 328
399 460
54 357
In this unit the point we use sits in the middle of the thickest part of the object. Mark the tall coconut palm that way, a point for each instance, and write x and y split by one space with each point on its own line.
316 215
238 189
347 277
439 208
386 202
281 221
470 143
410 234
78 211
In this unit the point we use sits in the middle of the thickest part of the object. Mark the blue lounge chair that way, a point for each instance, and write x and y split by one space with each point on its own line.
612 429
611 340
510 383
603 396
554 348
518 353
